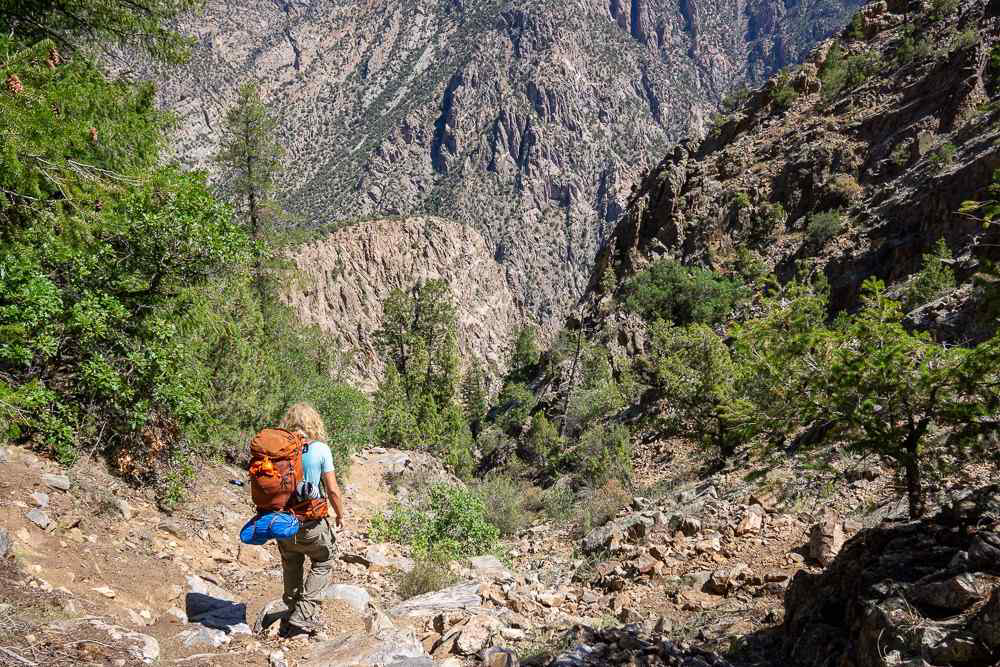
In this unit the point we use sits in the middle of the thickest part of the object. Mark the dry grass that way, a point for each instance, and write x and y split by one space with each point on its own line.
601 506
27 636
426 576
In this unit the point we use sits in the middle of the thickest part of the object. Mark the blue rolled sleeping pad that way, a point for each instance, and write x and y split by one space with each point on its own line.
269 526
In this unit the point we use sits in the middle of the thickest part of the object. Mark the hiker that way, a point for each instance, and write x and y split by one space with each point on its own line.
316 538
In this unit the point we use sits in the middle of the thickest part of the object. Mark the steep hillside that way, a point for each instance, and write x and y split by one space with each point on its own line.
529 120
856 163
345 277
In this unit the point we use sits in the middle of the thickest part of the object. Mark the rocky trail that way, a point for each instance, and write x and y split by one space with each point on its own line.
95 574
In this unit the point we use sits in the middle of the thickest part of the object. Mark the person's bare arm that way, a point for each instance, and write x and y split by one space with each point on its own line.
333 493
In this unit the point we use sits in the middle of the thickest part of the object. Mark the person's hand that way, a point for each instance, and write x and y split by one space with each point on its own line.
339 521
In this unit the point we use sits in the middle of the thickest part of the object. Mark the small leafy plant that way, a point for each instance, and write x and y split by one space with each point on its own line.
452 523
824 226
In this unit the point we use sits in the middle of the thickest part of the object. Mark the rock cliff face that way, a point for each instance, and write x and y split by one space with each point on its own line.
529 120
345 277
914 593
890 156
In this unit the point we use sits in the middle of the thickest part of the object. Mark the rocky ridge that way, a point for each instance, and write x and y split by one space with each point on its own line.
894 155
343 278
528 120
906 593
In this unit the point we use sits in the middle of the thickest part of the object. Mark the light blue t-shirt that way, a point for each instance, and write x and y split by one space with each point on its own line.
316 461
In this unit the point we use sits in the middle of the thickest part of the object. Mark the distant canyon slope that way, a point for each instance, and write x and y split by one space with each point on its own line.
528 120
344 278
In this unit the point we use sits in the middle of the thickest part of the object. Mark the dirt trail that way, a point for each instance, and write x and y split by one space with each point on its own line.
100 549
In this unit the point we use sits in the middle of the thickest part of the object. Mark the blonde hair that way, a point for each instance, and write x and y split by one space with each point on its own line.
303 417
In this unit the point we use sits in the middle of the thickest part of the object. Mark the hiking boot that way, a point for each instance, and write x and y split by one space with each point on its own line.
289 630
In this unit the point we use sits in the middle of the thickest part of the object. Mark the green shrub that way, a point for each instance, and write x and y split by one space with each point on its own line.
427 576
735 99
526 352
768 221
128 323
452 523
944 155
694 376
597 396
504 500
941 9
912 46
515 405
556 503
603 453
824 226
856 28
741 200
784 94
935 278
840 73
750 266
544 443
716 123
965 39
670 291
901 153
845 188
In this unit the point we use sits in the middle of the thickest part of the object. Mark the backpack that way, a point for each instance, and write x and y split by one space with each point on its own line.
276 472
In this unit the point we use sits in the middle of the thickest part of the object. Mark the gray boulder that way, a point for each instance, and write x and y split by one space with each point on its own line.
355 596
390 648
463 597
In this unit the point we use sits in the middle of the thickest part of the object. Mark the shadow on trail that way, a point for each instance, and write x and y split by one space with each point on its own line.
213 612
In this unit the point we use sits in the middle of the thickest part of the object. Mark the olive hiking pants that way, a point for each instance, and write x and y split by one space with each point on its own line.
302 596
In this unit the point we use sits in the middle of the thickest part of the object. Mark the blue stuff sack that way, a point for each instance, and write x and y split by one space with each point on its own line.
269 526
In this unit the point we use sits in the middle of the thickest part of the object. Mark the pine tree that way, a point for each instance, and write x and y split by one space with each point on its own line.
419 337
417 402
475 396
526 352
74 24
249 159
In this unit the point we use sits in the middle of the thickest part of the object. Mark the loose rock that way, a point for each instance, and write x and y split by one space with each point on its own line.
826 538
39 518
60 482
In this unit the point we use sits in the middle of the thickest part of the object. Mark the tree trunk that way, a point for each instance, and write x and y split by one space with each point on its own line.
572 382
914 489
255 229
911 466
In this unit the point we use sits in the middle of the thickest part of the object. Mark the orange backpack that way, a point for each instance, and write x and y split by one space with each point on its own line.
275 472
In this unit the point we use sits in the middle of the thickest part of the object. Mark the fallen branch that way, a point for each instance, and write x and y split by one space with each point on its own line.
204 656
14 656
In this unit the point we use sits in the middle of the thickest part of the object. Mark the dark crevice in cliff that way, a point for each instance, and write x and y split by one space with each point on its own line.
443 140
636 22
296 49
651 97
524 153
285 7
687 13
